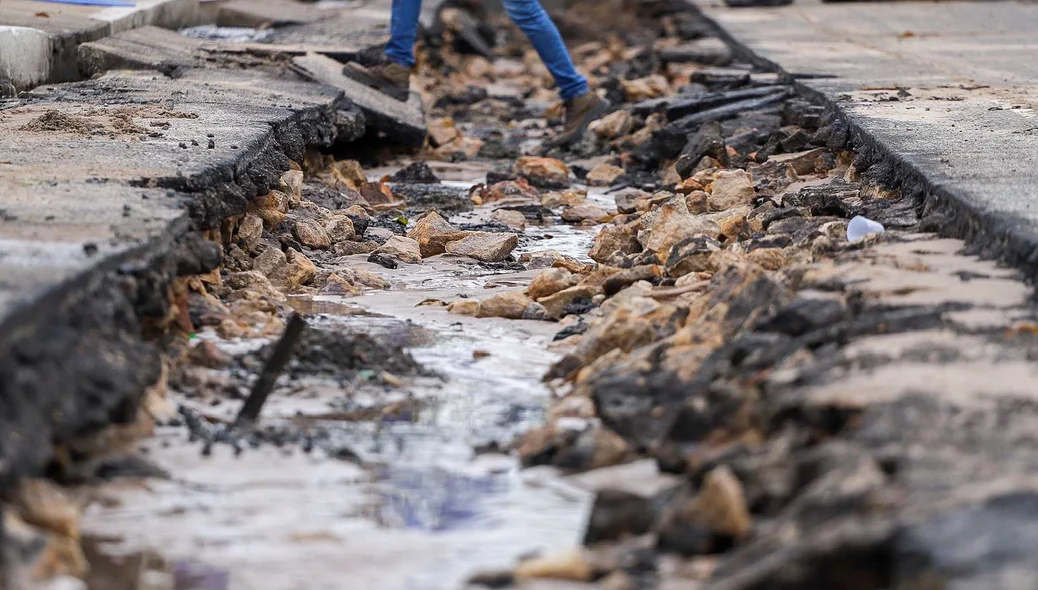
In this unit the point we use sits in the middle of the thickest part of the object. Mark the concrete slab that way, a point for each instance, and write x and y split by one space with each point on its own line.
104 185
949 92
403 122
24 56
64 26
144 48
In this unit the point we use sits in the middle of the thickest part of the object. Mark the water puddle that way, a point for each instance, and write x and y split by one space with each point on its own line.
415 498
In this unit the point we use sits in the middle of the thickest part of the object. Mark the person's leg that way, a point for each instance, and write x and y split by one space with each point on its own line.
403 31
535 23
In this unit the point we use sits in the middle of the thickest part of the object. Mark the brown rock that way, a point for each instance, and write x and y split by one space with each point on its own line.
350 248
311 234
720 505
691 255
512 219
645 88
272 208
671 223
556 302
336 284
613 125
433 232
732 188
627 199
697 202
442 131
572 565
520 190
687 186
484 246
509 304
614 242
801 162
555 199
586 211
768 258
632 323
553 259
250 231
292 185
402 249
463 307
269 261
548 169
339 228
604 175
256 283
297 271
551 280
469 146
43 504
368 279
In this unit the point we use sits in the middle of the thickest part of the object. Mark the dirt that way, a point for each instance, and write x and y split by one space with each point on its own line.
114 121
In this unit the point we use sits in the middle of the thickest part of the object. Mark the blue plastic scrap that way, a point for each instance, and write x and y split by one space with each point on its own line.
91 2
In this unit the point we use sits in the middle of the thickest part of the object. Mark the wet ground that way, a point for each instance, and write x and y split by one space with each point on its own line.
419 499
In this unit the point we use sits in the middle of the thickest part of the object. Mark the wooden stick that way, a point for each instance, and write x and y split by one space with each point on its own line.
250 410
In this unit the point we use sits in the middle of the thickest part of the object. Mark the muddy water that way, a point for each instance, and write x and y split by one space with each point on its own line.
420 501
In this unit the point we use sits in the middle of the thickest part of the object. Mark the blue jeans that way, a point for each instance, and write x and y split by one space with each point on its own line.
528 15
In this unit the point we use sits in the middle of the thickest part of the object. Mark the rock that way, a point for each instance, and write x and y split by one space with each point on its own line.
311 234
535 311
433 232
604 175
297 271
732 188
613 125
442 131
619 281
557 302
43 504
464 307
802 163
418 172
519 190
552 258
768 258
292 185
368 279
484 246
707 142
718 511
466 146
626 199
272 208
336 284
697 202
401 248
269 261
512 219
543 170
632 323
572 565
339 229
645 88
550 281
625 497
350 248
250 231
614 242
671 223
584 212
256 282
593 448
691 255
509 304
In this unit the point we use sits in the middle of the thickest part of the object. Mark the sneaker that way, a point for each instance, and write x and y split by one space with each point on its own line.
388 78
580 112
757 3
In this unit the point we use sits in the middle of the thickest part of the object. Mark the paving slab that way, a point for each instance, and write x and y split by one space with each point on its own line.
947 91
104 185
404 122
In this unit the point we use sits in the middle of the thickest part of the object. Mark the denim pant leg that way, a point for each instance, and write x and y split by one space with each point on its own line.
535 23
403 31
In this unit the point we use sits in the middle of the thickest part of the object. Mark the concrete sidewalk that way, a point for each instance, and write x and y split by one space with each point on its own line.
946 91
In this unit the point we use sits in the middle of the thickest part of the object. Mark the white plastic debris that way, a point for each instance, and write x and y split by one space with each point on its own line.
859 227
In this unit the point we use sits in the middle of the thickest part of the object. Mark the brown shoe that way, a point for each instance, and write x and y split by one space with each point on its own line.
389 78
580 112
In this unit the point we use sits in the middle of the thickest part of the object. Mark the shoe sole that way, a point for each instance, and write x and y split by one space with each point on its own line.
358 74
567 139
